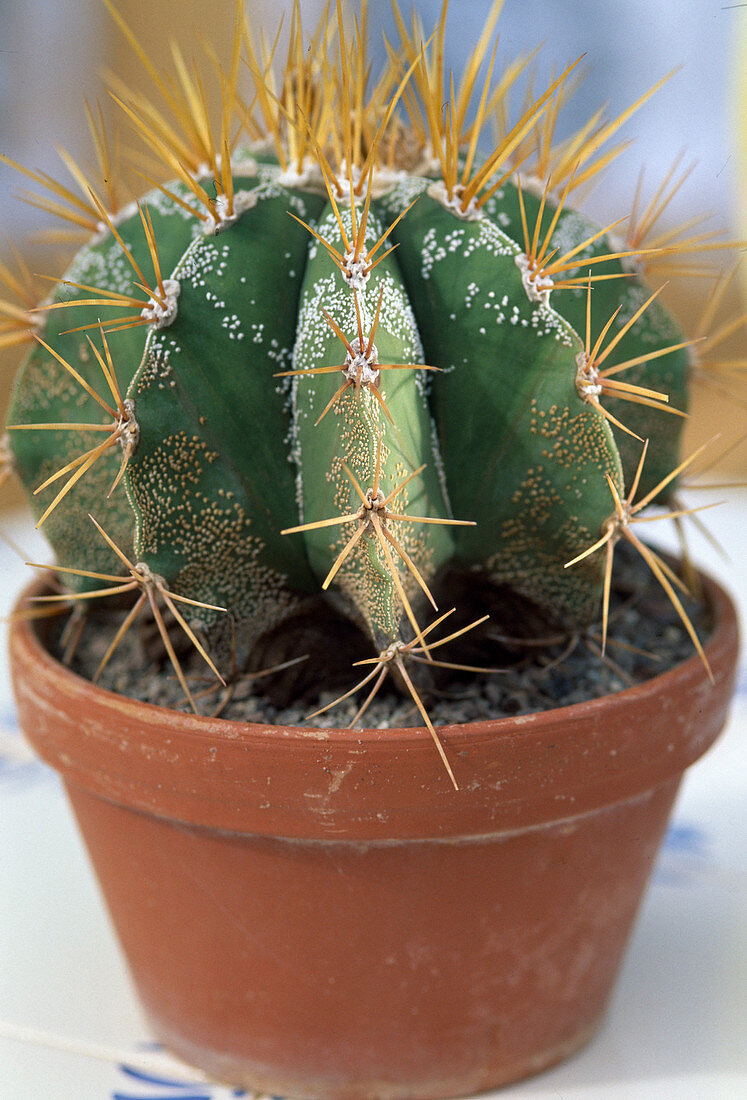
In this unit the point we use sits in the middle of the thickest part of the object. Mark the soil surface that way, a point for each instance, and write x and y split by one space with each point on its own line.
545 668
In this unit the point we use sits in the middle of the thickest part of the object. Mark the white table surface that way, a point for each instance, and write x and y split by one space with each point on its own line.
70 1028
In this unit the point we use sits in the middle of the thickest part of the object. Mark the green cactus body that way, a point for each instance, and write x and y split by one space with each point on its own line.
655 329
504 406
210 482
357 431
47 393
507 409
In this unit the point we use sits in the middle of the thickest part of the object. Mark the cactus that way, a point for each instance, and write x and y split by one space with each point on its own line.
351 355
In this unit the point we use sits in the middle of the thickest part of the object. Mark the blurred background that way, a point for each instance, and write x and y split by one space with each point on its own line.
53 52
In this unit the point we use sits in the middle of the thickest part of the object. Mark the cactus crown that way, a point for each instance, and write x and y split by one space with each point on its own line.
346 352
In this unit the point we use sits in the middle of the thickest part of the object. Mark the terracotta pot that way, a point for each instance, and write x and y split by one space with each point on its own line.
319 914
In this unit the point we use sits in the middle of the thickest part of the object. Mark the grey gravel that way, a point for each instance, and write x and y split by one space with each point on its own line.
645 638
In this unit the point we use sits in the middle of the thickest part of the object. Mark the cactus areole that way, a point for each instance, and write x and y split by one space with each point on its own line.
343 356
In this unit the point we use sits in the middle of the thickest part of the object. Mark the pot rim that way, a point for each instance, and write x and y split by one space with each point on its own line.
303 782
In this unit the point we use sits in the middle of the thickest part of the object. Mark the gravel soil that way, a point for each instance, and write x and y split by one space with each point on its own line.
544 670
